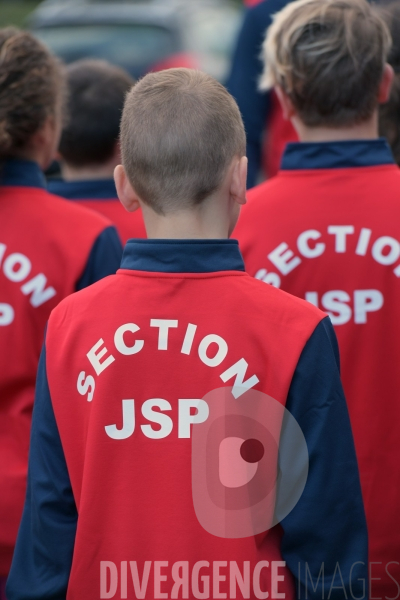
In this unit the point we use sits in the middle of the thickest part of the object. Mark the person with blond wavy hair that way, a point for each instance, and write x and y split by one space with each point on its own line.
327 229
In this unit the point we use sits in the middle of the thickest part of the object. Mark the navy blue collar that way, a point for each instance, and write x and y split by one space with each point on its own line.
96 189
18 172
337 155
182 256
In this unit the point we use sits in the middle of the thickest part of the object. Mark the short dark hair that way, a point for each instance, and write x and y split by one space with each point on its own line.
96 94
180 131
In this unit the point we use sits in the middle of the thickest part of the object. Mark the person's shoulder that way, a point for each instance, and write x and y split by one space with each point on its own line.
268 187
40 204
56 187
261 190
71 223
77 306
70 210
263 196
274 304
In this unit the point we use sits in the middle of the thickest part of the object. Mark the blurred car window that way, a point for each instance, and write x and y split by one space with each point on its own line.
142 36
130 46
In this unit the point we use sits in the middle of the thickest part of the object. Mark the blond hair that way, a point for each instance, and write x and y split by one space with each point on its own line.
180 131
328 56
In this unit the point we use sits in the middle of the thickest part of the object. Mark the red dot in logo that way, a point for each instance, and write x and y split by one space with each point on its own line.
252 451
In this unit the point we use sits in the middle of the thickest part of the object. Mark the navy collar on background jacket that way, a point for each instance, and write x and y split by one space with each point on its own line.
337 155
96 189
19 172
182 256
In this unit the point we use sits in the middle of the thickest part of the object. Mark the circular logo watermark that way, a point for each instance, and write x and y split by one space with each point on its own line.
249 463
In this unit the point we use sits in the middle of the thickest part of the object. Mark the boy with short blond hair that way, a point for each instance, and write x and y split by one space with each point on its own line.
327 229
165 392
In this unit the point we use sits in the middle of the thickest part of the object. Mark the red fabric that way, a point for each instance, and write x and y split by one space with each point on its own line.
279 133
3 588
129 225
134 496
251 2
294 202
174 61
55 238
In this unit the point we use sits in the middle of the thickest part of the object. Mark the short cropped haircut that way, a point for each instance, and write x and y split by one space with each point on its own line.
96 94
31 89
389 113
328 56
180 131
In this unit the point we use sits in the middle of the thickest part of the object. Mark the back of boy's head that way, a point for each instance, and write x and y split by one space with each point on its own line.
96 94
328 56
180 132
389 117
31 89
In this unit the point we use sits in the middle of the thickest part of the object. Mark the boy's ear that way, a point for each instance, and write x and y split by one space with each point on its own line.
286 104
386 84
238 181
126 194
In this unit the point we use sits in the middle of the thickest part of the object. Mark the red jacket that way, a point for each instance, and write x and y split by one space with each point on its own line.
327 229
133 494
100 195
48 249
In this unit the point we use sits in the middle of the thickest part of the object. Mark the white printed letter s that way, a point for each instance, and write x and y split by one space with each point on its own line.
86 385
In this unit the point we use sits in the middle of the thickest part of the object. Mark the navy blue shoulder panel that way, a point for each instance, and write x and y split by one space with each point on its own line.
337 155
96 189
43 554
104 258
327 527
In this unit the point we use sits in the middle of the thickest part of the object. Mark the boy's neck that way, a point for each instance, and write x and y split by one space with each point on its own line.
185 225
368 130
90 173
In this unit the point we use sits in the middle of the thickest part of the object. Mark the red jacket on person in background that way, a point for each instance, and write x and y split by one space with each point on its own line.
327 229
48 250
101 195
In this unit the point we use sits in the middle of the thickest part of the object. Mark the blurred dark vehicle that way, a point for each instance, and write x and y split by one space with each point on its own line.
141 36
